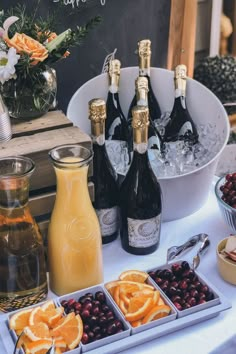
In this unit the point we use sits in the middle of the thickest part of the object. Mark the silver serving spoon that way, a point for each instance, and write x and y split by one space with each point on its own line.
175 251
203 248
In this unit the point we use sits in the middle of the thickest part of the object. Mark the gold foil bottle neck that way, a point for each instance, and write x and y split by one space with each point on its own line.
140 123
97 115
180 77
144 51
97 110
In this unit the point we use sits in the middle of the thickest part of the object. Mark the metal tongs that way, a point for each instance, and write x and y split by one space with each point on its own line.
176 251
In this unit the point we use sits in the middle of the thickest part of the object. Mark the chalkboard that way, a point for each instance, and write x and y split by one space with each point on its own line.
124 23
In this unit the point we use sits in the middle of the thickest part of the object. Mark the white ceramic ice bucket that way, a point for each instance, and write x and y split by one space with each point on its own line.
184 194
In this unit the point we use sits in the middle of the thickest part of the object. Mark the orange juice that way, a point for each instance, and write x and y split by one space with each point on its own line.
74 238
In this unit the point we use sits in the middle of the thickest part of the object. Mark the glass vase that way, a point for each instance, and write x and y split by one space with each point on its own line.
74 237
23 280
30 95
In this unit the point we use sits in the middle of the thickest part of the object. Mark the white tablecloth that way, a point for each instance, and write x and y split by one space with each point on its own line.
201 338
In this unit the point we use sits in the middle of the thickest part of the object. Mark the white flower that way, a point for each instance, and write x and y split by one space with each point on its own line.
7 64
7 23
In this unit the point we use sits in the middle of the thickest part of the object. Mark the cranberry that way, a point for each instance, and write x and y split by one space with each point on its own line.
102 320
97 336
176 298
192 301
86 328
95 311
91 336
71 303
87 306
158 280
100 296
111 329
201 296
96 330
201 301
93 320
178 306
204 289
183 284
172 290
118 324
85 314
105 308
85 338
185 265
176 269
167 274
64 303
194 293
209 296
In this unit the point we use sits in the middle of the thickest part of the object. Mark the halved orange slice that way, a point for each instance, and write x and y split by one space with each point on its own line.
155 313
37 332
51 317
138 309
35 316
134 275
20 320
71 329
48 305
40 346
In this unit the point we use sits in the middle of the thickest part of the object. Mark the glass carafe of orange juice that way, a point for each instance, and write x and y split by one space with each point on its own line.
74 237
23 278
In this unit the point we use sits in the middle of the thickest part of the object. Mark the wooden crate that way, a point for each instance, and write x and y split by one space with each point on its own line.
34 139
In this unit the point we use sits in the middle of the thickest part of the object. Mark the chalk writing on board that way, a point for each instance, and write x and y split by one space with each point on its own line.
76 3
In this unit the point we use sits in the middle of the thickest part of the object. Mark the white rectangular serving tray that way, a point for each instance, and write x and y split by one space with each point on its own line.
7 343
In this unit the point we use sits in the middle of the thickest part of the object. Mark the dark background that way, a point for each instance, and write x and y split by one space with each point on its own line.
124 23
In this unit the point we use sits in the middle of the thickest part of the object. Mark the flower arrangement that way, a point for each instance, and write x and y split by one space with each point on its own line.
28 48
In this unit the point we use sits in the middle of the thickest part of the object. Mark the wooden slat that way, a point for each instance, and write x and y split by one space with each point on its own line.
50 121
43 203
182 34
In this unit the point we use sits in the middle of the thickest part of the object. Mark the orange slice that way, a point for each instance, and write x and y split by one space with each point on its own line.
116 295
144 292
60 343
71 329
40 346
37 332
123 307
51 317
136 323
20 320
138 309
48 305
125 298
134 275
35 316
111 286
155 313
161 301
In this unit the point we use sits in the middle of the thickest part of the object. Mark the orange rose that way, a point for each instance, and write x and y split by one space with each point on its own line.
28 45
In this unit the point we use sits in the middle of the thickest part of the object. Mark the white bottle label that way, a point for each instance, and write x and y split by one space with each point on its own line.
116 122
185 128
144 233
108 220
117 151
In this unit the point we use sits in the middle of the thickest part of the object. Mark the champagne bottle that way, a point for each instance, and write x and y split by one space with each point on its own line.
116 129
180 125
140 194
154 137
104 177
144 52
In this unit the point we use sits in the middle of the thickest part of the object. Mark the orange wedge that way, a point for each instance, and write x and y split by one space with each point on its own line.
123 307
138 309
134 275
136 323
60 343
40 346
51 317
111 286
71 329
161 301
116 295
155 313
37 332
35 316
125 298
20 320
48 305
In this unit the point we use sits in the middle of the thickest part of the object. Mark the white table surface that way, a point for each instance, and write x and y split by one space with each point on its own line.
201 338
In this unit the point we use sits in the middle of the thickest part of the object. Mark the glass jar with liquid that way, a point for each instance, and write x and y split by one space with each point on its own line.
74 237
23 280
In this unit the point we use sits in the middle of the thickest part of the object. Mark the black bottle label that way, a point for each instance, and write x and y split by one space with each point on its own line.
108 220
144 233
116 123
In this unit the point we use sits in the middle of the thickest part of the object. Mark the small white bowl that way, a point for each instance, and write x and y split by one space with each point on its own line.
229 213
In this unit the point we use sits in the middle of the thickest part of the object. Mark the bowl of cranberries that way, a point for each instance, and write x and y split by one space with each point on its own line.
187 290
225 191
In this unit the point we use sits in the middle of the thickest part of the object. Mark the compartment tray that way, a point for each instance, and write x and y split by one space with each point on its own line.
138 338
